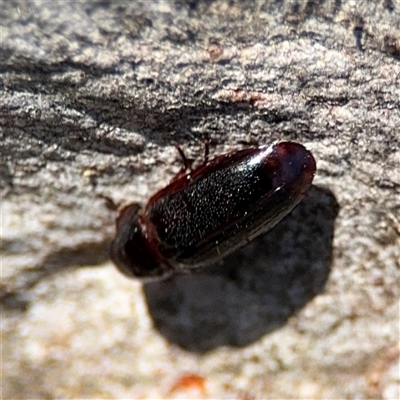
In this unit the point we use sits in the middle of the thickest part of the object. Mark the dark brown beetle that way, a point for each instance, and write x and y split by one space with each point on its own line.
208 212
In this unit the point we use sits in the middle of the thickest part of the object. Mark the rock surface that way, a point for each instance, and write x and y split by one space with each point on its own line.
94 96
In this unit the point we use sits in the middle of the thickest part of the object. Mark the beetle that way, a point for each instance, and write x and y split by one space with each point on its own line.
207 212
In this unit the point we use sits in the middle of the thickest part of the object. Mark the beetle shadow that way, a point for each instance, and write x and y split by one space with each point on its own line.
256 289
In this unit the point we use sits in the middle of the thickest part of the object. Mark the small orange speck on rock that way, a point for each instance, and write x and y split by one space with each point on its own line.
193 383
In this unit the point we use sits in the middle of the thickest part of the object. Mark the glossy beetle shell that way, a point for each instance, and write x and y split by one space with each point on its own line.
205 214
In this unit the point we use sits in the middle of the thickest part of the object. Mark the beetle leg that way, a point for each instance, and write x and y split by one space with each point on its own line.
187 163
110 203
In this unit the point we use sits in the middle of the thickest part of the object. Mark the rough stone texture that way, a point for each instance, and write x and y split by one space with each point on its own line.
94 96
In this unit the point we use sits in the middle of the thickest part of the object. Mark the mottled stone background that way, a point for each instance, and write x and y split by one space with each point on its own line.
94 96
